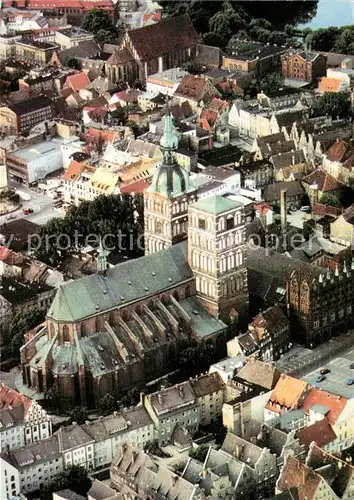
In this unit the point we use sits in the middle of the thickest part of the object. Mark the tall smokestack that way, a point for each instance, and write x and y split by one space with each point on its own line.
283 210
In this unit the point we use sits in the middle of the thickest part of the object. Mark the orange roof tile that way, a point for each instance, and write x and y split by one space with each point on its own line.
341 151
263 208
77 81
287 394
330 85
10 257
335 404
11 398
135 187
324 180
74 170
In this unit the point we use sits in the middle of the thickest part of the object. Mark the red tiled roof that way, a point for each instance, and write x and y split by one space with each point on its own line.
74 170
135 187
171 35
323 179
11 398
193 87
77 81
320 209
287 394
296 474
210 116
128 95
340 151
263 208
155 16
335 404
107 136
320 432
330 84
10 257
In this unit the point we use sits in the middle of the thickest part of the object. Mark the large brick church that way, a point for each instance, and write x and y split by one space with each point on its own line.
125 326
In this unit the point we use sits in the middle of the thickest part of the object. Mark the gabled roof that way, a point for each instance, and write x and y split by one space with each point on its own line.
259 373
324 181
341 151
348 215
121 56
296 474
74 170
272 191
77 82
167 36
320 432
124 283
196 88
335 404
337 473
287 394
330 84
10 257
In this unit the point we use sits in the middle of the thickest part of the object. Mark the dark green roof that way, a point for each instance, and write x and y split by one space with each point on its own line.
124 283
216 205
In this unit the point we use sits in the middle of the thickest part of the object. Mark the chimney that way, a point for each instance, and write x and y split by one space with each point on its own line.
283 210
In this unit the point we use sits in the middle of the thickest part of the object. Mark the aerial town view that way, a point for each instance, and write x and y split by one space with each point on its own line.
176 250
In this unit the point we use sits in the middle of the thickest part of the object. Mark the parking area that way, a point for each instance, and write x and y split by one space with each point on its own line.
42 206
336 380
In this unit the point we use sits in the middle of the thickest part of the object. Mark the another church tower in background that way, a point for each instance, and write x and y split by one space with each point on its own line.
167 199
216 254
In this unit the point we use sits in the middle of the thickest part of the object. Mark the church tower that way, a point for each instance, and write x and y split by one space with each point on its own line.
166 200
216 254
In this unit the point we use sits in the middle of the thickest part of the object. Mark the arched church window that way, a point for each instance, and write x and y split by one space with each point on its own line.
83 330
66 335
201 223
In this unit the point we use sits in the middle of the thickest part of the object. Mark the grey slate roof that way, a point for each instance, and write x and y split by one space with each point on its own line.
272 191
72 436
127 282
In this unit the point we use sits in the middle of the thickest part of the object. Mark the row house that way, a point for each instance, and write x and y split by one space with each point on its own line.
23 421
143 477
339 161
190 404
133 426
270 332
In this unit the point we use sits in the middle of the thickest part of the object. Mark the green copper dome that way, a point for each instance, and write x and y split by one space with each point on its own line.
170 179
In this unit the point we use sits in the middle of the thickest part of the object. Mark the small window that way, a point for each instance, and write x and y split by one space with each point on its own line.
201 223
229 223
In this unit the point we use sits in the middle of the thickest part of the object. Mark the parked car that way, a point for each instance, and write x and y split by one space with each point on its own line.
350 381
324 371
351 366
27 211
320 378
306 208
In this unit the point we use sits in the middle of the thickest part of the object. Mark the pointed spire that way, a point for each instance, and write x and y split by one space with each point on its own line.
345 270
336 272
102 258
328 274
320 278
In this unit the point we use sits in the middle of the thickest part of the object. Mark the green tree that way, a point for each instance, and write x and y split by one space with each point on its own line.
271 82
107 405
333 104
73 63
330 199
106 36
345 42
73 478
199 453
97 20
20 324
78 415
226 22
118 215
